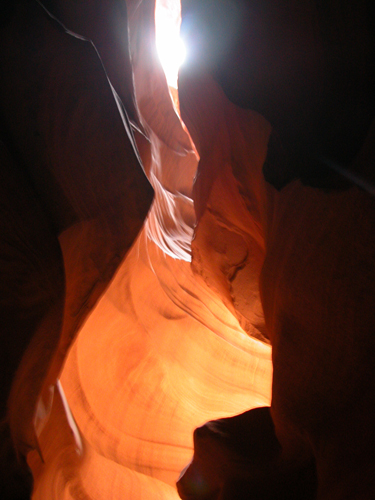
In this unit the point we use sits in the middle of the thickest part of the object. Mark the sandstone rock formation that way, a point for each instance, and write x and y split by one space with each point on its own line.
156 307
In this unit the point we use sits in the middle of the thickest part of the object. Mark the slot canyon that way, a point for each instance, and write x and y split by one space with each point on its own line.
187 267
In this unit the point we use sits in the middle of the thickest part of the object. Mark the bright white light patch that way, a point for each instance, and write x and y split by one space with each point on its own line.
169 45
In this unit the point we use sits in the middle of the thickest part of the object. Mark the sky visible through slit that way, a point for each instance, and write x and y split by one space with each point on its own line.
169 45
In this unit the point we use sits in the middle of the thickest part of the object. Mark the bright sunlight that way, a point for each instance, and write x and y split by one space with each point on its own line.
169 45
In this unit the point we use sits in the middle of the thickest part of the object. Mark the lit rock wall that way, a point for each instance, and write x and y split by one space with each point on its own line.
162 352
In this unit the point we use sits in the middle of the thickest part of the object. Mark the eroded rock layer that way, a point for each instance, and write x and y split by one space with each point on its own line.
159 261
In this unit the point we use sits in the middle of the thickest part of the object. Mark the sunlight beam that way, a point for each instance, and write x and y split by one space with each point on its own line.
170 47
